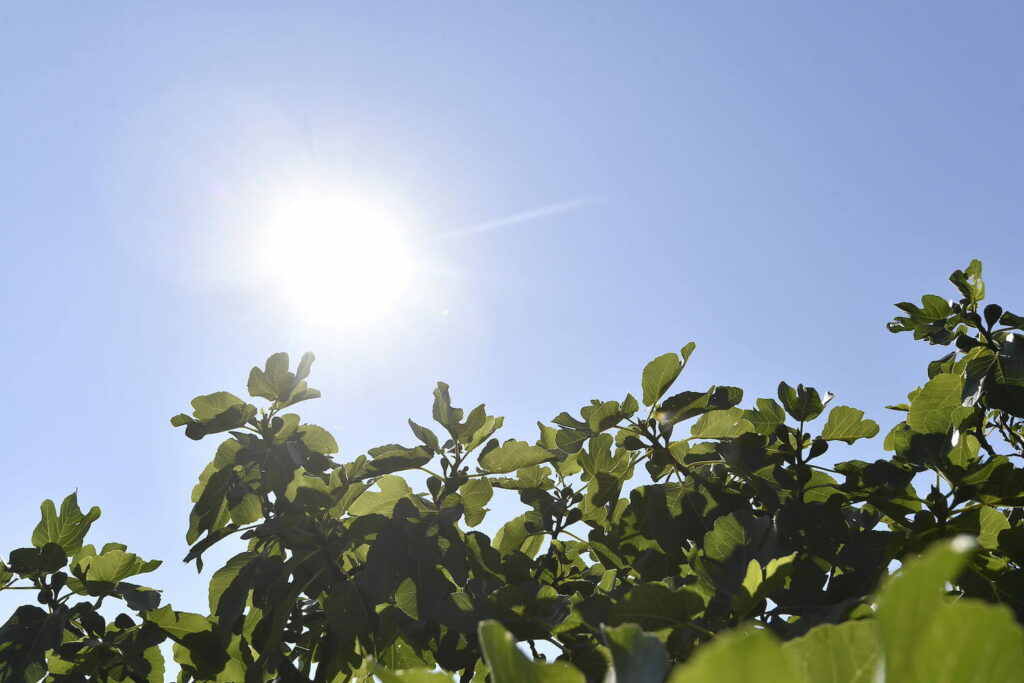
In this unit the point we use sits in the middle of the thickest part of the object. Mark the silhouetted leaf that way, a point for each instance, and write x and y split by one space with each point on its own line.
636 656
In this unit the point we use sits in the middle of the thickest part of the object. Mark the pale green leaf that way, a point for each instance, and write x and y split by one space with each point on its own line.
509 665
848 424
932 408
658 376
512 455
838 653
740 657
68 528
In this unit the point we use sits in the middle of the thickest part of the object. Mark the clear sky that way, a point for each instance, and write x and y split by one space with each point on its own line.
570 188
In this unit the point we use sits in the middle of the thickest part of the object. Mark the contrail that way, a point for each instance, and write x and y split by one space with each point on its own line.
521 217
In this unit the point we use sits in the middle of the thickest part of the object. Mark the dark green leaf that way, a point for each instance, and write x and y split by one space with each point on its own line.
636 656
655 606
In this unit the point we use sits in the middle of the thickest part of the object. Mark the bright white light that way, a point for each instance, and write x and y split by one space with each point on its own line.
332 257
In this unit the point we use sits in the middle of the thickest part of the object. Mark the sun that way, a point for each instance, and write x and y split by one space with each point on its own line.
329 255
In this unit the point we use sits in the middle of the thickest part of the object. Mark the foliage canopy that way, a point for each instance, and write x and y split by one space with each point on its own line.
679 536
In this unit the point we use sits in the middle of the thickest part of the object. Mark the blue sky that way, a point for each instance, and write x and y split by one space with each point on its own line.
765 179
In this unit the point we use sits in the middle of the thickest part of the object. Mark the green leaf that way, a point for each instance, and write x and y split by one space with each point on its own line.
931 410
740 657
969 282
689 404
721 424
768 416
210 511
475 494
24 639
392 489
154 659
686 351
1004 385
759 582
301 392
35 562
512 455
803 403
658 376
739 533
911 598
318 439
637 657
655 606
967 642
571 440
410 675
233 416
838 653
229 589
848 424
490 426
305 363
259 385
517 534
207 407
67 529
392 458
138 598
509 665
274 382
428 437
112 566
607 415
984 522
405 598
443 412
178 625
598 458
477 420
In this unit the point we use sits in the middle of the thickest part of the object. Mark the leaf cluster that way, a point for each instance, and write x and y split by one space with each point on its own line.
677 537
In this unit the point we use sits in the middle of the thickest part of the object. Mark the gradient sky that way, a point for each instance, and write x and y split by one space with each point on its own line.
764 179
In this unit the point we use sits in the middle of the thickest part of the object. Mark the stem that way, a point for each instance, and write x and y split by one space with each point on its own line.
572 535
979 434
700 629
974 506
800 443
434 474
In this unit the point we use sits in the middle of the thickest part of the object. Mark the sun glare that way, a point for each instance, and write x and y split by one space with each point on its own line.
331 257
